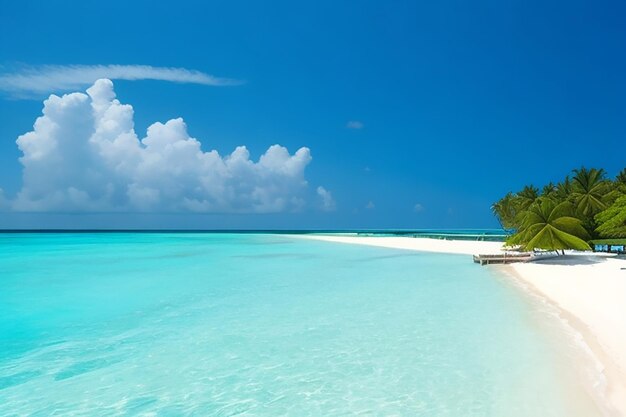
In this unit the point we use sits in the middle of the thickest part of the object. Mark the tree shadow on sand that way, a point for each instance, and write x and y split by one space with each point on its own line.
572 260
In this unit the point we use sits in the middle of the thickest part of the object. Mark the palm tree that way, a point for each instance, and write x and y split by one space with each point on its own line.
621 177
522 201
526 197
504 210
589 191
548 190
613 220
550 225
510 209
563 190
620 182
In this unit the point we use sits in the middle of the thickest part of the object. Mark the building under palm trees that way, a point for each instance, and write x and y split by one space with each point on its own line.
609 245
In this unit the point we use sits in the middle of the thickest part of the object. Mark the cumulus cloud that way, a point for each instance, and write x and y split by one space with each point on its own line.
84 155
355 124
328 203
48 78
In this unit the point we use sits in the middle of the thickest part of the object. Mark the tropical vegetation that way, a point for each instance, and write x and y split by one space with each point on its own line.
584 206
613 220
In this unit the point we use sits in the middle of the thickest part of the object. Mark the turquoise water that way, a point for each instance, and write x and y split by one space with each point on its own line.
268 325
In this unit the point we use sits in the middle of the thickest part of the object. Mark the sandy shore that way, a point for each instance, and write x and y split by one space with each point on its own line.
590 290
420 244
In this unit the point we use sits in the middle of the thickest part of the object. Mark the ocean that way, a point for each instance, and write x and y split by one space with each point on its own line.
222 324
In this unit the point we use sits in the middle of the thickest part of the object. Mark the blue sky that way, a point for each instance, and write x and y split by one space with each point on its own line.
457 103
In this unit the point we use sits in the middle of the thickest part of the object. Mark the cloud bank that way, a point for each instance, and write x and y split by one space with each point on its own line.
84 155
47 78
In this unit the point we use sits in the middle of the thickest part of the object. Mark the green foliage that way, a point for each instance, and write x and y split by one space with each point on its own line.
621 177
620 183
509 210
583 206
548 190
616 242
563 190
505 211
612 221
550 225
589 191
527 196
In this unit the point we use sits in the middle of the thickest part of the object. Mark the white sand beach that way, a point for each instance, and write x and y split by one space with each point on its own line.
462 247
591 292
589 289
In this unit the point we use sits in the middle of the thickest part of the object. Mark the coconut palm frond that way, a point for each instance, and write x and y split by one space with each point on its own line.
550 225
613 220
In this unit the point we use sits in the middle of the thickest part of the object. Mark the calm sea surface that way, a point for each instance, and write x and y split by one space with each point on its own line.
145 324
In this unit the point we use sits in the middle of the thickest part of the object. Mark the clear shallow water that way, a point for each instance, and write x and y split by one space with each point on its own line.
268 325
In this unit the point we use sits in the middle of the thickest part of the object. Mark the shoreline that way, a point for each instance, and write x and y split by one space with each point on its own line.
584 288
422 244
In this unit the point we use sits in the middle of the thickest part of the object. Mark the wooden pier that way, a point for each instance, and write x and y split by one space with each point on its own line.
502 258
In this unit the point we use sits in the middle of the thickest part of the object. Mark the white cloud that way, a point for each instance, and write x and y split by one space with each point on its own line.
418 207
84 155
328 203
53 78
355 124
370 205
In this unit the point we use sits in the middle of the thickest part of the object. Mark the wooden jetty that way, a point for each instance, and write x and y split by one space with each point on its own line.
502 258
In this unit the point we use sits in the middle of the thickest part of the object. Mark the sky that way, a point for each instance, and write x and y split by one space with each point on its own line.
305 115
